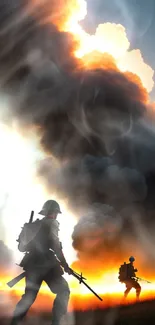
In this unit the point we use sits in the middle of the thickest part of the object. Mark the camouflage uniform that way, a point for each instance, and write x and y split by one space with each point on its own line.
41 264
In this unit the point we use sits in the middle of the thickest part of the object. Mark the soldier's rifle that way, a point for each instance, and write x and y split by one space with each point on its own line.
140 279
81 280
78 276
19 277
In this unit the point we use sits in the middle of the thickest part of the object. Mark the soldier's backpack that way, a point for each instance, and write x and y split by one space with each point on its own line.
123 272
28 234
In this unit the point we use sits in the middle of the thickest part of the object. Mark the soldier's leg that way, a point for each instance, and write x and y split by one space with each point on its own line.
128 288
59 286
33 283
137 286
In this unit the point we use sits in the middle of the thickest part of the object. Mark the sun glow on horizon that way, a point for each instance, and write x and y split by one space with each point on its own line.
106 287
21 191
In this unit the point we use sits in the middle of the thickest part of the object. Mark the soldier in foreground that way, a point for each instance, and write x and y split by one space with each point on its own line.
127 275
42 262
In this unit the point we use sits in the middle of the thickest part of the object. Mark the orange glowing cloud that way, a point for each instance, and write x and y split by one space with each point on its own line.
133 61
109 38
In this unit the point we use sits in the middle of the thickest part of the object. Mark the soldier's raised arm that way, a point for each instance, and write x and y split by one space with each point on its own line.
59 253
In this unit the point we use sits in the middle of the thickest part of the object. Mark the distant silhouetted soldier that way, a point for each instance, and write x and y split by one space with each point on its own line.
42 262
127 275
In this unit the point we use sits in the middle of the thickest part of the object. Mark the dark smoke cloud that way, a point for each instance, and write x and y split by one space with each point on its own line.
6 257
93 123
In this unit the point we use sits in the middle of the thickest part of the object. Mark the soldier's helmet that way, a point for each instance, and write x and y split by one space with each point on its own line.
131 259
49 207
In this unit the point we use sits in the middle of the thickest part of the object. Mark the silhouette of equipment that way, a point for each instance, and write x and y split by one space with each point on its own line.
79 277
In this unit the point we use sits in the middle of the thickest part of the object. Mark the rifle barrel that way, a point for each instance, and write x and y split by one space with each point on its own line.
31 216
82 281
91 290
143 280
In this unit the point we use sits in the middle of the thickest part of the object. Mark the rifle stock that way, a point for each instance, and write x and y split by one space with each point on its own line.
16 279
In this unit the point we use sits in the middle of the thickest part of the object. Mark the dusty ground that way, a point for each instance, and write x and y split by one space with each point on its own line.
136 314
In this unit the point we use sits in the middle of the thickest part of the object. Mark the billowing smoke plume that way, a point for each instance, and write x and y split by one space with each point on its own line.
6 258
92 123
